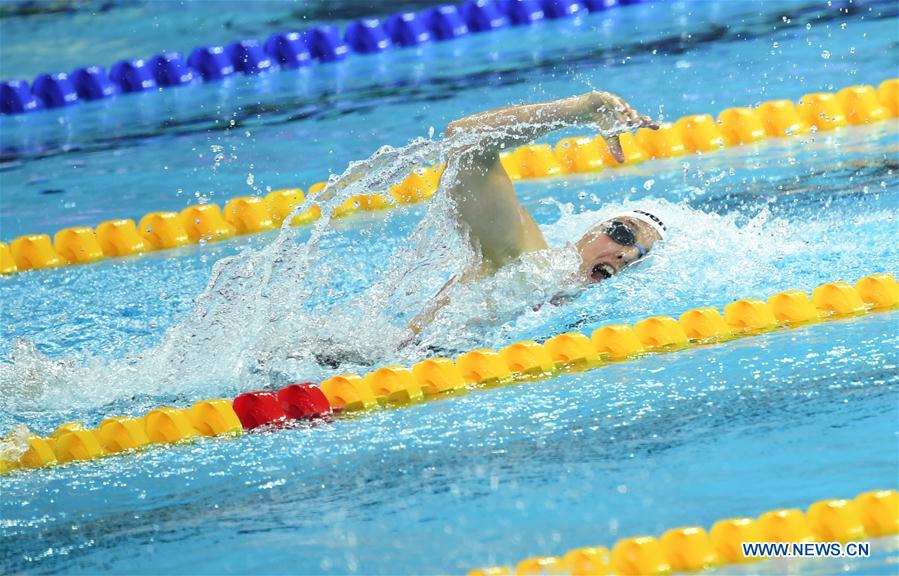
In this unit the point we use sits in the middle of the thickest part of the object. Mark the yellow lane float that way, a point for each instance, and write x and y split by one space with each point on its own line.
693 134
690 549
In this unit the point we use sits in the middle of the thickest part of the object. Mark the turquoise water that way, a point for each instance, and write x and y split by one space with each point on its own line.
778 420
132 155
492 476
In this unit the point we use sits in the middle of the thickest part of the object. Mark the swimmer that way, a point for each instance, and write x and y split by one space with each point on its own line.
500 228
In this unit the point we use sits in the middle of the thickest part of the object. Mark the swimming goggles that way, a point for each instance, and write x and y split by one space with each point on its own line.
622 234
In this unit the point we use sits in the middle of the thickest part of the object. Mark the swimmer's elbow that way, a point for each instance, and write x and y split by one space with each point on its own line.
461 125
453 128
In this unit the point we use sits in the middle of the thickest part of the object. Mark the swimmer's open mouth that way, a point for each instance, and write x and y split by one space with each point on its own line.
602 272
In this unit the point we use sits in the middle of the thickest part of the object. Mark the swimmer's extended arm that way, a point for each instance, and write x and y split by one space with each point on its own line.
498 225
520 124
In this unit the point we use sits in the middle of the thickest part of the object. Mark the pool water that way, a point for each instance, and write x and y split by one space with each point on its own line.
775 420
492 476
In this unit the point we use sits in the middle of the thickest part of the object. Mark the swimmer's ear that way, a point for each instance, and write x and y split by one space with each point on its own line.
615 148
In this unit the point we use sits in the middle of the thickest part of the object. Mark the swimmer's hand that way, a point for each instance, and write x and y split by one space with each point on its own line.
410 338
612 116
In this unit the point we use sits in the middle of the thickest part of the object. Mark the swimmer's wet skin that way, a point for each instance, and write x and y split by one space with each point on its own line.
500 228
614 244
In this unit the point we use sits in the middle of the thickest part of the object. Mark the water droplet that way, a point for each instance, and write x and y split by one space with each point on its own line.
825 54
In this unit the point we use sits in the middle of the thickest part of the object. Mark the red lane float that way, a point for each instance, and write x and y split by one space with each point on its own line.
303 401
255 409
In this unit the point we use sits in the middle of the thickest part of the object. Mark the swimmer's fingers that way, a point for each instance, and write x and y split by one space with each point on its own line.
631 114
613 113
623 112
648 122
628 115
637 120
633 119
409 339
615 147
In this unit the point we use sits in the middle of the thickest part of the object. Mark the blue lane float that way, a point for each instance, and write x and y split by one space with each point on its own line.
170 69
326 44
16 98
132 76
367 36
249 57
55 90
211 62
408 29
563 8
522 12
287 50
92 83
483 15
445 22
598 5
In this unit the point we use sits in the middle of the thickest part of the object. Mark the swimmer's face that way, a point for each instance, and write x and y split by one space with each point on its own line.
608 248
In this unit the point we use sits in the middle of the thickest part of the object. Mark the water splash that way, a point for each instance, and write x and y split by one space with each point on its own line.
286 308
14 444
293 311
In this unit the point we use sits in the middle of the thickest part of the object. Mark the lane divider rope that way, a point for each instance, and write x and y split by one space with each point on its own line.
695 134
288 50
397 386
873 514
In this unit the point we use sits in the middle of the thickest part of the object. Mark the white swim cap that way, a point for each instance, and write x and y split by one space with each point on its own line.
650 219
